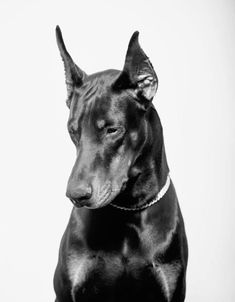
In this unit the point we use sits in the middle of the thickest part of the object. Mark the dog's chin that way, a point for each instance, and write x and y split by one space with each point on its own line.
90 204
97 204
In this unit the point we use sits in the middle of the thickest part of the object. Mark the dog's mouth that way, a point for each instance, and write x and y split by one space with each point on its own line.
103 197
78 203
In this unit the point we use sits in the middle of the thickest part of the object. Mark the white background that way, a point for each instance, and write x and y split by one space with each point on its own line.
191 45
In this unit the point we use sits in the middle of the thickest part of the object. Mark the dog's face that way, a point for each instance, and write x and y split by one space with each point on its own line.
107 128
107 124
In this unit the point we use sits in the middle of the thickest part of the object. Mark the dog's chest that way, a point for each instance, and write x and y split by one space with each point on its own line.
119 278
83 268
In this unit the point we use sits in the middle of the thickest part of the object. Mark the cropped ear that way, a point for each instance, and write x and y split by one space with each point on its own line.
138 73
74 76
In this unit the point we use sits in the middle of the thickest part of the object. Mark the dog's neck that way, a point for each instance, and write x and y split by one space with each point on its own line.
150 170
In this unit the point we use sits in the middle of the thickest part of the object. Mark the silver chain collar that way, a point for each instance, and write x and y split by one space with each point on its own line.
160 194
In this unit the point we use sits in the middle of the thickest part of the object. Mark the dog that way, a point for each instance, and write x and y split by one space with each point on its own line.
125 240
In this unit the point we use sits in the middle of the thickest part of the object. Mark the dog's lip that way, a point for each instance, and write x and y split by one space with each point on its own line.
104 200
79 204
110 194
101 202
97 205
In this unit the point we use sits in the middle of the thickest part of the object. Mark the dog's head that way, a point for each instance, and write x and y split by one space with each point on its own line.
107 124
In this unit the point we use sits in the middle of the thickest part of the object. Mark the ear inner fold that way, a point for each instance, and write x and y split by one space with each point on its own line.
138 72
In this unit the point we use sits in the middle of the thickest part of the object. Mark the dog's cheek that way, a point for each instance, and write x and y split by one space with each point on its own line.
119 168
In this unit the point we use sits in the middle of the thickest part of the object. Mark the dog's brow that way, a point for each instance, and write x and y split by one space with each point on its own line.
100 124
134 135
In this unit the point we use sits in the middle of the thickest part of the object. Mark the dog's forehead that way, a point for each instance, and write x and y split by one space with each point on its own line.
96 97
97 86
103 78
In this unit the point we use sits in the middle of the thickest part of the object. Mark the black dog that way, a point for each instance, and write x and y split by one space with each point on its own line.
125 240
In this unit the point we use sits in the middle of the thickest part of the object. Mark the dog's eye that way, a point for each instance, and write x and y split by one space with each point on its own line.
112 130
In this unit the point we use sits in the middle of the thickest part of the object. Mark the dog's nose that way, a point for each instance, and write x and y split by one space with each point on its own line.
79 193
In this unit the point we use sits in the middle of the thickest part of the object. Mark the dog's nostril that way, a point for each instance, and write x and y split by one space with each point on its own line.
84 195
79 193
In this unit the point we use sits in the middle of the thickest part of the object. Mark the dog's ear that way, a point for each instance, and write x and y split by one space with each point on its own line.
138 73
74 76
